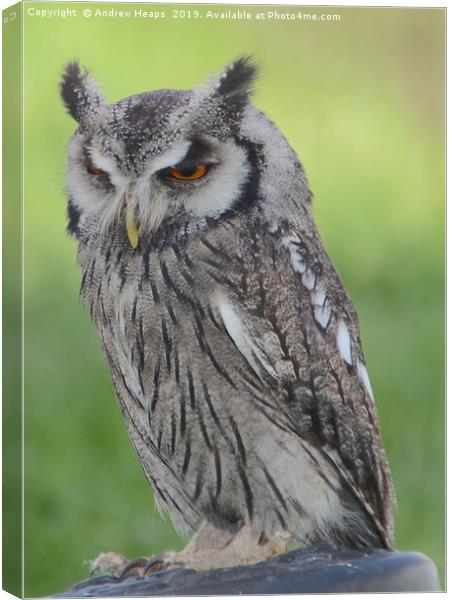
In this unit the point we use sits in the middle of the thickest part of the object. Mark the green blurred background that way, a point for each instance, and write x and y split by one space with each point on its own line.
362 102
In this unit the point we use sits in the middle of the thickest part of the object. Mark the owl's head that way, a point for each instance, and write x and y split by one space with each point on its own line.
174 158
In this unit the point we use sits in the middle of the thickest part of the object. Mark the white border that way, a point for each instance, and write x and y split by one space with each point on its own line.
4 4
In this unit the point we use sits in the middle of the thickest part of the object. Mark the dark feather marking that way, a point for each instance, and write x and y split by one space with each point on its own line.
187 276
217 459
199 333
212 411
200 336
171 313
102 307
176 366
251 194
282 338
299 509
157 488
173 432
221 279
214 249
191 389
183 415
133 316
73 215
212 263
218 367
340 388
82 285
155 294
275 488
91 270
168 344
171 285
248 493
165 274
146 277
176 250
176 505
187 455
122 276
91 307
159 438
198 485
213 502
213 319
252 381
141 344
225 257
318 467
155 391
281 519
239 440
188 261
129 391
140 376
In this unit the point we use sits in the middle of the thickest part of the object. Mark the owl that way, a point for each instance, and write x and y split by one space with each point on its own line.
232 344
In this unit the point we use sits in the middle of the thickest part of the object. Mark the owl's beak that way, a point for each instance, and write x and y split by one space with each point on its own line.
132 230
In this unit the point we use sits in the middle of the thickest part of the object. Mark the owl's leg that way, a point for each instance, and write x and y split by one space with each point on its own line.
214 548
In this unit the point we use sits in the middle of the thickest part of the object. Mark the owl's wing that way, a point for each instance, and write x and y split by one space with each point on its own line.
291 319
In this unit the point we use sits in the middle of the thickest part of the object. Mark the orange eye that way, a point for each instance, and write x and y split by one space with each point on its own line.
189 174
94 171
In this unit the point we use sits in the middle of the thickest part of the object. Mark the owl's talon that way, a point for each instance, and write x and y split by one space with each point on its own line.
146 566
159 562
133 568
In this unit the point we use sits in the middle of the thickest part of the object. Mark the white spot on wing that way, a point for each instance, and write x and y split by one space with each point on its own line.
344 342
364 376
298 263
318 297
308 279
241 337
322 315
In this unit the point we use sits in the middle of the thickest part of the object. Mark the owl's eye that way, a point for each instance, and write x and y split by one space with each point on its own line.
95 171
189 173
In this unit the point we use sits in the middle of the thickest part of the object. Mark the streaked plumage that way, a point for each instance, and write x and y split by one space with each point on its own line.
233 347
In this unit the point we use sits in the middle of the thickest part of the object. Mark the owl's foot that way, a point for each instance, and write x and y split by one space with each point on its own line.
210 548
117 565
213 548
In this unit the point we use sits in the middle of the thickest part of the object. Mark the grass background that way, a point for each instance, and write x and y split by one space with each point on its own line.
362 102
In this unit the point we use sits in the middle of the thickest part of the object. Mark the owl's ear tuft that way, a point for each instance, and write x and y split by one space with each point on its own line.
239 77
80 94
